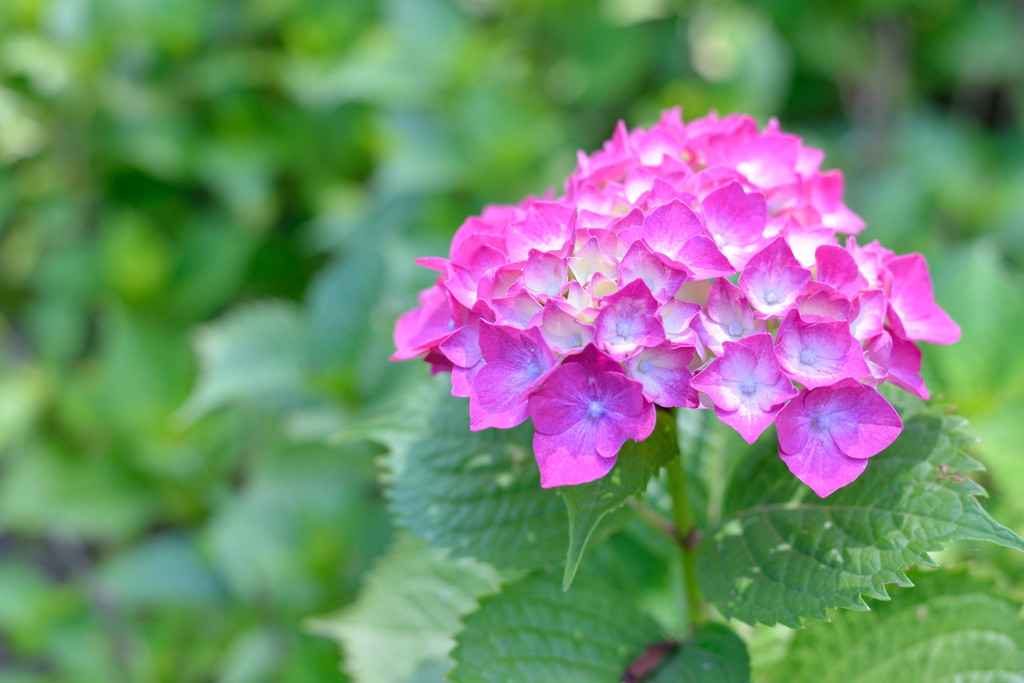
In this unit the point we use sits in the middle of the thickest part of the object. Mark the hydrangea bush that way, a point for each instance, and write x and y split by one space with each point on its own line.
685 269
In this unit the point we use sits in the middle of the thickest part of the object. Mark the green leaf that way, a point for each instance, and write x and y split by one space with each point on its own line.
532 632
258 352
946 630
477 493
404 620
786 556
589 503
714 655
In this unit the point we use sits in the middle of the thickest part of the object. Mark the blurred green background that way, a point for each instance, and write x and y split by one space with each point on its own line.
208 214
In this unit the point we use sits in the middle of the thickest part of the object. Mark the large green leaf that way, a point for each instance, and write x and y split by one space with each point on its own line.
589 503
714 655
532 632
404 620
946 630
257 352
477 493
784 556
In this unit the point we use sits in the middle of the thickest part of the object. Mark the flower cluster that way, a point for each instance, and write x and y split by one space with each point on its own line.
585 311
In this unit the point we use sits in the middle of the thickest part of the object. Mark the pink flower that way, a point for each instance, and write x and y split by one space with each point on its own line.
664 373
773 279
827 434
583 414
746 385
585 309
818 354
728 316
515 362
629 321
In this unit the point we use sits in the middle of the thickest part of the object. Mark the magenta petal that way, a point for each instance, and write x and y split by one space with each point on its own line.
861 422
818 354
545 274
640 263
823 467
838 269
736 221
867 315
749 422
746 385
905 367
773 279
562 331
664 373
516 360
547 226
569 458
702 257
628 320
910 296
583 413
669 226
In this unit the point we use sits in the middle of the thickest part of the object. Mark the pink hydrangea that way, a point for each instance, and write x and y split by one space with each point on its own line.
695 266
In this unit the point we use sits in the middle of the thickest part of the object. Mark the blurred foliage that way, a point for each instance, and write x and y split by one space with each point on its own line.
252 179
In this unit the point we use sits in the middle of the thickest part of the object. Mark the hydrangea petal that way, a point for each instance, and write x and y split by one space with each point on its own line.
773 279
628 320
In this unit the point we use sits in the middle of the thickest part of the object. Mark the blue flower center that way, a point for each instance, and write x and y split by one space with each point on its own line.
771 297
645 366
735 329
622 329
595 409
748 386
533 369
821 421
807 357
574 340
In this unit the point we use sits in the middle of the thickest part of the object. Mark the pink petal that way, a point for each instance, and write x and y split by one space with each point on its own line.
663 371
773 279
910 296
736 221
640 263
628 320
547 226
545 274
905 367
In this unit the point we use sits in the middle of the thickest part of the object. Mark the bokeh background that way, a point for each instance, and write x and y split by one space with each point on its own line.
208 214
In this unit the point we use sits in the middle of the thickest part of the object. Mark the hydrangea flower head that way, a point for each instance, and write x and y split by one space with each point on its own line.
710 264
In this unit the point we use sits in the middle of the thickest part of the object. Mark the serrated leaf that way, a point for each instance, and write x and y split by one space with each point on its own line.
588 504
532 632
786 558
410 608
946 630
714 655
477 493
259 351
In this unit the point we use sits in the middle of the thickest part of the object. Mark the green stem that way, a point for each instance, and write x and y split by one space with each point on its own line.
687 535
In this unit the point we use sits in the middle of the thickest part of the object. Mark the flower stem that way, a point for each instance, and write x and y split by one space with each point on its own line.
688 536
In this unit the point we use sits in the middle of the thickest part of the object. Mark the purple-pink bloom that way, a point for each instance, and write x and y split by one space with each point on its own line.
728 317
629 320
664 373
746 385
818 354
827 434
621 263
583 413
515 361
773 279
